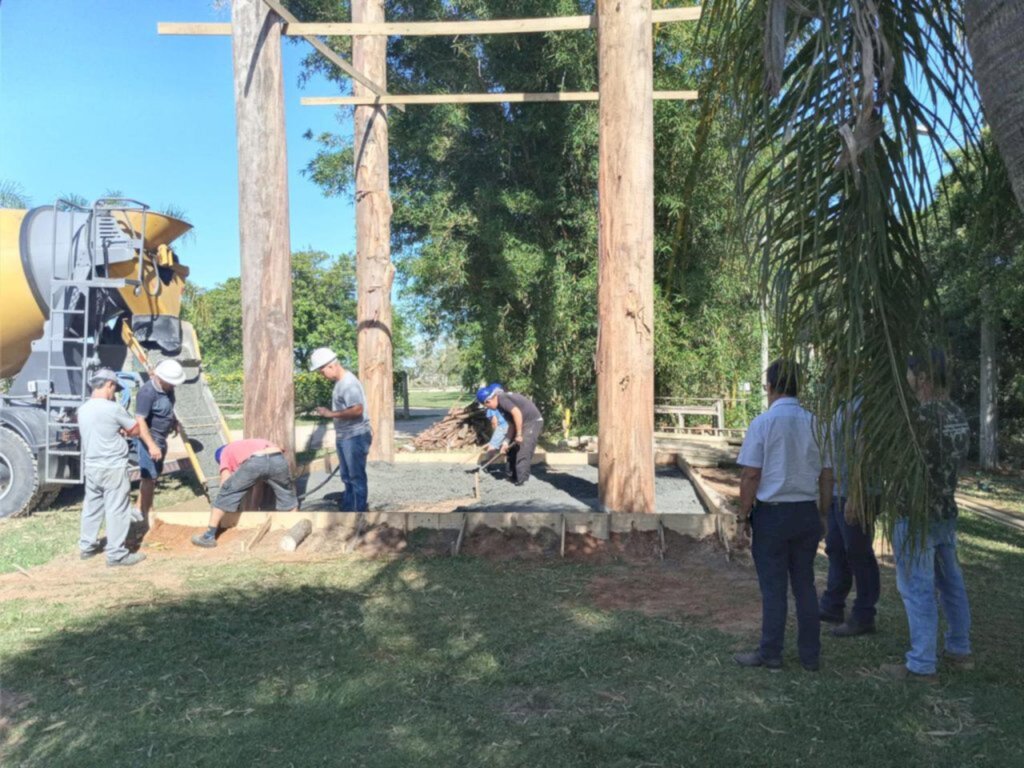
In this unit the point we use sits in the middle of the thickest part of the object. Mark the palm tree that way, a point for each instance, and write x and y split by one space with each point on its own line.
848 110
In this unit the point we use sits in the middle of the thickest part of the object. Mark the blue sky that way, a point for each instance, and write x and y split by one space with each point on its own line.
93 99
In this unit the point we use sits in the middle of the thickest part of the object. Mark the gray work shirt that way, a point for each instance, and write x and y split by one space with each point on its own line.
99 422
348 392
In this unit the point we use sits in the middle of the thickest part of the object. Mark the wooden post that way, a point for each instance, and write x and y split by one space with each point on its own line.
625 293
268 363
374 271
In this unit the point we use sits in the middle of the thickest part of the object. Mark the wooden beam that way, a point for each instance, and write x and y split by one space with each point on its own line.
430 28
265 245
330 55
480 98
625 281
374 271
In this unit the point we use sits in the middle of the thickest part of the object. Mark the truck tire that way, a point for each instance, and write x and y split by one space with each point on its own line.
19 475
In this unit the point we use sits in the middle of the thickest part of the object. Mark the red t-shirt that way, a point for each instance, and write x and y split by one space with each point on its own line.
238 451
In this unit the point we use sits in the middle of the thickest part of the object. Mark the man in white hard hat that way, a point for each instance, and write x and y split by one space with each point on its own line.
103 426
154 413
351 427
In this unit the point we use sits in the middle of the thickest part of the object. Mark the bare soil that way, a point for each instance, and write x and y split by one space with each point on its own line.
724 482
694 580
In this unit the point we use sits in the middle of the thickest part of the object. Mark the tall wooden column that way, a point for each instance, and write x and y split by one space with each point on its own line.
269 401
625 293
374 271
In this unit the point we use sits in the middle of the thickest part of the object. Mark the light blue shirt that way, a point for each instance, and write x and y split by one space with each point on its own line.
782 443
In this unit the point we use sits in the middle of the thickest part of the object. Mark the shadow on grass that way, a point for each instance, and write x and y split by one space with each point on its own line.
448 662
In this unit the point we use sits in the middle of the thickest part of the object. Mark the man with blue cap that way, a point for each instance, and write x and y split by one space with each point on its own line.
525 425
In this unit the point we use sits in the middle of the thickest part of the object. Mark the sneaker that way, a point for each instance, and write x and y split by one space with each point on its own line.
900 672
206 540
811 666
830 618
962 661
753 659
851 629
95 549
130 559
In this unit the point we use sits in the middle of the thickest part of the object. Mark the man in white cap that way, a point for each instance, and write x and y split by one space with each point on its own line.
352 430
103 426
154 413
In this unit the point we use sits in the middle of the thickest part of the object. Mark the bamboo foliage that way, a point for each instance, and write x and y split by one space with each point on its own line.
846 111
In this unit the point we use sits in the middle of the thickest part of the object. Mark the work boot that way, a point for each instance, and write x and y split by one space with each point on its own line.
92 551
851 628
131 558
962 661
207 540
754 659
900 672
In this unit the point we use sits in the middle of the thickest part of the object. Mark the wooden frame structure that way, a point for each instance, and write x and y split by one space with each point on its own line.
625 357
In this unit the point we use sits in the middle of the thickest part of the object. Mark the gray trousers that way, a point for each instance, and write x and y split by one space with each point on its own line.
106 498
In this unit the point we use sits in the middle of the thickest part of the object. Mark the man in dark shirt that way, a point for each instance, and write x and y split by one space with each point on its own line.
524 427
154 413
927 562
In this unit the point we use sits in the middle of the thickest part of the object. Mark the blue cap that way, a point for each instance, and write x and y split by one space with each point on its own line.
218 452
484 393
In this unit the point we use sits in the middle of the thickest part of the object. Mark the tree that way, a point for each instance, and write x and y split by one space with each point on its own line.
993 35
495 214
12 195
976 251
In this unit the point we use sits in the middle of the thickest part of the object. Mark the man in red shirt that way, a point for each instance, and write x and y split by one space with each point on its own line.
243 463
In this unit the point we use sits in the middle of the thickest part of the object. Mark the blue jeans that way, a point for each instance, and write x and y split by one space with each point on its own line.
851 559
785 542
922 566
352 453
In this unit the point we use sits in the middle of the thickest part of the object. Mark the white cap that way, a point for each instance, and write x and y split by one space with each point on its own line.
321 356
170 372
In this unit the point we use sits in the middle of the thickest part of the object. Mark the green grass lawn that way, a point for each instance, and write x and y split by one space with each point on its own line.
1004 490
429 398
473 662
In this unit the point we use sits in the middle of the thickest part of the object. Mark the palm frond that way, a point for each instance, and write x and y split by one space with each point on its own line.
845 109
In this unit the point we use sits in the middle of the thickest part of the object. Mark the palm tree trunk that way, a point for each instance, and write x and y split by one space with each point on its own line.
995 37
988 421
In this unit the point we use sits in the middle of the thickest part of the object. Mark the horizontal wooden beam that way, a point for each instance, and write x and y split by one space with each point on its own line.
478 98
430 28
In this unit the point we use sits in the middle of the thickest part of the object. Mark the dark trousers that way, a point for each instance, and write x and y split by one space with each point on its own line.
520 457
785 540
851 560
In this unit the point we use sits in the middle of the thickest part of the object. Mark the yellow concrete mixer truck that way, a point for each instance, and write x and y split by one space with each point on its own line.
82 288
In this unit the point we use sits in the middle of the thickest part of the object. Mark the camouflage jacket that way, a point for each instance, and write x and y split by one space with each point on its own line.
945 437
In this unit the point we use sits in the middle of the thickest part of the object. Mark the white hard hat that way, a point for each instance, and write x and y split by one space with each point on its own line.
321 356
170 372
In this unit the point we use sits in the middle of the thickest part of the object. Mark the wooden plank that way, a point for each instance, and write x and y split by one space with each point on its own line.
417 99
265 244
328 53
260 533
625 283
431 28
374 270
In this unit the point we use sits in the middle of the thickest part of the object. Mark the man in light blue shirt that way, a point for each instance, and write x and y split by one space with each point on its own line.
785 487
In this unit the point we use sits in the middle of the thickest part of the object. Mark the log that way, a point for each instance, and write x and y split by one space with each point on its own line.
374 270
460 428
265 244
625 283
296 535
